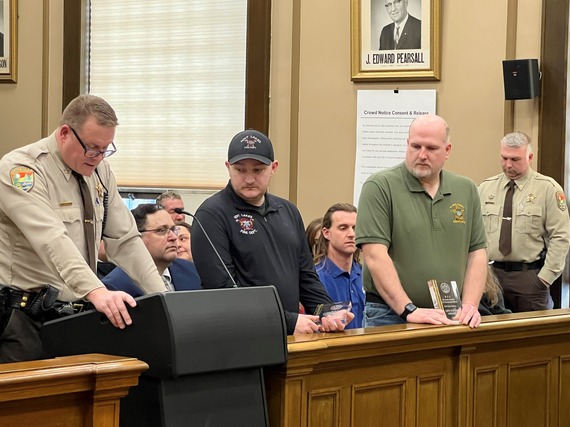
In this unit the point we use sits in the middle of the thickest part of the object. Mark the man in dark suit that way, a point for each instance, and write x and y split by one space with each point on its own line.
159 234
405 32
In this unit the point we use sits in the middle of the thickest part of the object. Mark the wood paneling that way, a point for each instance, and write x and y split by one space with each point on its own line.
72 39
258 65
553 101
66 391
564 384
553 67
513 370
324 408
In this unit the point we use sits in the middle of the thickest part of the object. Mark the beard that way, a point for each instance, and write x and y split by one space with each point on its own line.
422 173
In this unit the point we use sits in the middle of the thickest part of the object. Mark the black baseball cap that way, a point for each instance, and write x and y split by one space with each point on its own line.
250 144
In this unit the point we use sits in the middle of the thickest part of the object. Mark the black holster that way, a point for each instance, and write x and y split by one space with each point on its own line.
42 302
34 304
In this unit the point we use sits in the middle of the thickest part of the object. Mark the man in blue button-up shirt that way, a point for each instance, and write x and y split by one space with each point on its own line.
337 259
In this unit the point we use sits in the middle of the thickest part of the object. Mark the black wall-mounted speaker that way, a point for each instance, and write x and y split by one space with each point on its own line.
522 78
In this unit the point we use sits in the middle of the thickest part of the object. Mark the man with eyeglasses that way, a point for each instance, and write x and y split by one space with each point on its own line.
405 32
59 199
160 236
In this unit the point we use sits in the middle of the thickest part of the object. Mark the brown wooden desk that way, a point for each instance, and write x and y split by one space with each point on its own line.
514 370
72 391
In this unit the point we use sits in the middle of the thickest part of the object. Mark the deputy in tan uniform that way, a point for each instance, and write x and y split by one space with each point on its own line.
540 227
42 237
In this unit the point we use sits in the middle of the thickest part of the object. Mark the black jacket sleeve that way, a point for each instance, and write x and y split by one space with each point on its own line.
210 267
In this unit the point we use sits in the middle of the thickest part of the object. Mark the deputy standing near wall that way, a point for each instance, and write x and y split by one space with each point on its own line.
527 224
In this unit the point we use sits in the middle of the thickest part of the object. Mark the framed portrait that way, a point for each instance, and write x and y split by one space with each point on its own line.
8 40
395 40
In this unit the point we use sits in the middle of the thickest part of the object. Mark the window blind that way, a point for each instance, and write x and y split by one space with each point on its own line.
174 71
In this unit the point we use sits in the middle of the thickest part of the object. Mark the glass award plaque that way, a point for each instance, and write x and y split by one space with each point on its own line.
333 309
445 296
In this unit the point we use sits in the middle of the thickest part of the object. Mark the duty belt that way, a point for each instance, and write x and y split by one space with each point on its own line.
37 304
518 266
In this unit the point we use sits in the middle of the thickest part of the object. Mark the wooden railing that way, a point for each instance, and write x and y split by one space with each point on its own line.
72 391
514 370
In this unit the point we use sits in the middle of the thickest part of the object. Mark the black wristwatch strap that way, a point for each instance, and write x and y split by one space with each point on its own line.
408 309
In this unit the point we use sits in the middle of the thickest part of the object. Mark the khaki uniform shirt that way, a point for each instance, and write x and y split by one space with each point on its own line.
540 220
41 226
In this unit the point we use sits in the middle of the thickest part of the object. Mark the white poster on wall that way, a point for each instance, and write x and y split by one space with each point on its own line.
382 122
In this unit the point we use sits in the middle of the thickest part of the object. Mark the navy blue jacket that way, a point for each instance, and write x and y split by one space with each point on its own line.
183 273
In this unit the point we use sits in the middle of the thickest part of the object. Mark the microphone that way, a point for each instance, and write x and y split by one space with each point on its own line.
182 211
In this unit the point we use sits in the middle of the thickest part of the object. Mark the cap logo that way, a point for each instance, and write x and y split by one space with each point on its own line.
250 142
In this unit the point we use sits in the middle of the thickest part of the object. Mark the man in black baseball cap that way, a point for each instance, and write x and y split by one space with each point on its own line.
251 165
260 238
250 144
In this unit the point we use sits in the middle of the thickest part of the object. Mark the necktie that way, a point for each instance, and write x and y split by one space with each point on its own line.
397 35
88 221
167 282
507 224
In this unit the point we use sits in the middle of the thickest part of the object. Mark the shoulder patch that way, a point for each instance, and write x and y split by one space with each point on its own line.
22 177
561 200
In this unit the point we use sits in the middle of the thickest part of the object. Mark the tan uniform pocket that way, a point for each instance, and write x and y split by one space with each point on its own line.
529 220
491 217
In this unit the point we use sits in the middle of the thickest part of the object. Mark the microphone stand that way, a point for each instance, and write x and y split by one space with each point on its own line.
182 211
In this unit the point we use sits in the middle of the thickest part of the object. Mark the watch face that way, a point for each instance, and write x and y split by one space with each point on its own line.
408 309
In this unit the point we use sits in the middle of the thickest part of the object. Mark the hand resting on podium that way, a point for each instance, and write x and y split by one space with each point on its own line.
112 304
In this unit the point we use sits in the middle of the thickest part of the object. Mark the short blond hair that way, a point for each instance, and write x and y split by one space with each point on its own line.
80 109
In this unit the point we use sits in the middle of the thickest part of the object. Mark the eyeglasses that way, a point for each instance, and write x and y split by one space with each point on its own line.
163 231
92 152
393 4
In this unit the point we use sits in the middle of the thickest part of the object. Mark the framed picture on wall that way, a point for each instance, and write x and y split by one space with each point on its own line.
8 40
395 40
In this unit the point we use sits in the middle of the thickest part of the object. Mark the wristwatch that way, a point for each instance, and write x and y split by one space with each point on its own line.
408 309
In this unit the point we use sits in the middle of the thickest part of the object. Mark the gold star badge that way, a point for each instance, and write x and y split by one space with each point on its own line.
100 190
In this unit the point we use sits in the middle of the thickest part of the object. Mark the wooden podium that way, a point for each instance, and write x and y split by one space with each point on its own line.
78 391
